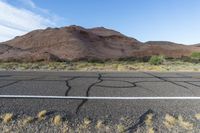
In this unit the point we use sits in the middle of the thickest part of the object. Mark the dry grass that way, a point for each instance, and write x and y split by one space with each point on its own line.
108 129
100 124
149 123
84 126
149 120
101 127
173 124
42 114
57 120
197 116
7 117
184 124
106 66
120 128
167 125
169 121
67 128
28 120
150 130
86 121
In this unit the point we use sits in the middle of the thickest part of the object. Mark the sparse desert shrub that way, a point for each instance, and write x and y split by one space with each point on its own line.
120 128
127 59
57 120
185 124
95 61
100 124
138 59
145 59
28 120
195 55
192 58
156 60
187 59
41 115
7 117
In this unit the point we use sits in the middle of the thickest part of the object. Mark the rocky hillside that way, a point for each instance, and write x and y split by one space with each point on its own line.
197 45
76 43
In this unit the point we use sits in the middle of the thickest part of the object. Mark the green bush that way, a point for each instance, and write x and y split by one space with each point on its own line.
196 55
156 60
190 59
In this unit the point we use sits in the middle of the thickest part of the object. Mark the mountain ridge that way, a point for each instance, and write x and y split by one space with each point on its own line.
76 43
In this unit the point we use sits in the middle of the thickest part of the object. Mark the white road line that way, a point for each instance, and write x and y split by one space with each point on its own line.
98 98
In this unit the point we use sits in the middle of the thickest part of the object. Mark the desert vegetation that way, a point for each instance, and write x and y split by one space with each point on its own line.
154 63
59 123
196 55
157 60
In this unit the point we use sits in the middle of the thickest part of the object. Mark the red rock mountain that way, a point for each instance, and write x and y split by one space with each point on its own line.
197 45
75 43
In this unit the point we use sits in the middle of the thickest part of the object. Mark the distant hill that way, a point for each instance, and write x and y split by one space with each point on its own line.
76 43
197 45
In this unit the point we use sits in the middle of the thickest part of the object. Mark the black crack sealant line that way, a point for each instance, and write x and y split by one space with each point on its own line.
133 84
165 80
17 81
147 89
189 82
88 91
68 85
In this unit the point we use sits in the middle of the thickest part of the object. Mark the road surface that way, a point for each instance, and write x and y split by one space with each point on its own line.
101 95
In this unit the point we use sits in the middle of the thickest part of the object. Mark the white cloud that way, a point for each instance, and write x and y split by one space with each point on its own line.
7 33
16 21
29 3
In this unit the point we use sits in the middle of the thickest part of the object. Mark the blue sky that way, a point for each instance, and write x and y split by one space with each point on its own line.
170 20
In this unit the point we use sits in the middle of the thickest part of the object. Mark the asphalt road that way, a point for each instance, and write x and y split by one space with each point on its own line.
102 84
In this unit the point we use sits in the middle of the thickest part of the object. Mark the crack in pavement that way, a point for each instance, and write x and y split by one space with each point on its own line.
5 76
147 89
161 78
105 77
189 82
99 80
68 85
10 84
132 84
17 81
